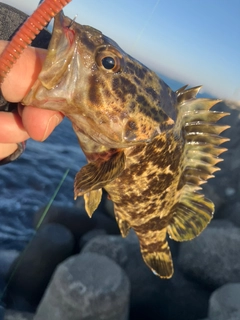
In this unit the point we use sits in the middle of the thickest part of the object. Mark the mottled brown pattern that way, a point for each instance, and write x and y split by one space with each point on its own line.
149 147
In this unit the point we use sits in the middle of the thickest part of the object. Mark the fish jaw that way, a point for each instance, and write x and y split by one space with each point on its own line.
117 107
60 72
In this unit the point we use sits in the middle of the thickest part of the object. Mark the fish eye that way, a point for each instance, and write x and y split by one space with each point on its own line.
108 63
109 60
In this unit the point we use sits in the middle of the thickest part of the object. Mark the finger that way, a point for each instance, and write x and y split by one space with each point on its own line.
7 149
23 73
12 129
40 123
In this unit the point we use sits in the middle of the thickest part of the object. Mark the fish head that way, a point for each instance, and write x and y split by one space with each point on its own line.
108 95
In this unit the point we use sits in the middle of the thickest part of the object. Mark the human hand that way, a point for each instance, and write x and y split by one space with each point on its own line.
29 122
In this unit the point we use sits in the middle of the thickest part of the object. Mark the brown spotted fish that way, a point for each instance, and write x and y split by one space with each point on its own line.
149 147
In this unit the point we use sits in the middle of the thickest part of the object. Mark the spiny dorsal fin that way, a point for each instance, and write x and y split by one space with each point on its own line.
184 95
196 125
92 200
97 174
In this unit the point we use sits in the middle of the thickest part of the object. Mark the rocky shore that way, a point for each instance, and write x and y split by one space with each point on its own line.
76 268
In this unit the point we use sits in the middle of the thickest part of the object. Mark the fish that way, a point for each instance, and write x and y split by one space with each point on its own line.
150 148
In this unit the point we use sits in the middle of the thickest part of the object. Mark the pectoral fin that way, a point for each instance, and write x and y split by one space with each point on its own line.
92 200
190 216
97 174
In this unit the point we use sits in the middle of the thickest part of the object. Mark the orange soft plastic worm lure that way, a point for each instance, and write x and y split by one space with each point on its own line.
28 31
24 36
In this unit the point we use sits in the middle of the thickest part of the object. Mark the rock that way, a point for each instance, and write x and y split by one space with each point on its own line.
6 259
113 247
226 184
224 303
90 235
151 296
86 286
18 315
74 219
234 213
31 272
106 222
213 257
183 299
2 312
77 220
154 298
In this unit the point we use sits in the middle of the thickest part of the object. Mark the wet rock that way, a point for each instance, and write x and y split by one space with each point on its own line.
2 312
224 303
31 272
74 219
225 187
183 299
90 235
113 247
234 213
213 258
151 297
6 259
77 220
87 286
106 222
154 298
18 315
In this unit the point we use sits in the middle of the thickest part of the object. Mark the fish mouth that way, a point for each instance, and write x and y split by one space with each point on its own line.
60 51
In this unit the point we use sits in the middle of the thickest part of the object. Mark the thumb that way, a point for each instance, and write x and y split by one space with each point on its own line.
39 123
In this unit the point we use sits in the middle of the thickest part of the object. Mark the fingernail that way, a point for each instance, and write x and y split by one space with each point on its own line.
52 123
20 109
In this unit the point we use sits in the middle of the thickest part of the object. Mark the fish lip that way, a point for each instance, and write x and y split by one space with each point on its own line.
21 146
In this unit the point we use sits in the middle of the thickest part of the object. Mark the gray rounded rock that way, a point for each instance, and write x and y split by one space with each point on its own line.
224 303
86 287
213 258
32 270
90 235
74 219
6 259
114 247
151 297
18 315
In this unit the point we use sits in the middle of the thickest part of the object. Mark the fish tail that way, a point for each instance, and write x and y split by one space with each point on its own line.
156 253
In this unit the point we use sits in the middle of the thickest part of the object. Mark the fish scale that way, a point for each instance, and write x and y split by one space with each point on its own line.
149 147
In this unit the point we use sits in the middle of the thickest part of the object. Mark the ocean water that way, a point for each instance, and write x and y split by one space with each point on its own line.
28 183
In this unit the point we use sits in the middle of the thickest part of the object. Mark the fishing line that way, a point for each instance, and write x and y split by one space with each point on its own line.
51 200
146 24
38 226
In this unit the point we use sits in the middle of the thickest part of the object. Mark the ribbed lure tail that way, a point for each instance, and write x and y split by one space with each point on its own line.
28 31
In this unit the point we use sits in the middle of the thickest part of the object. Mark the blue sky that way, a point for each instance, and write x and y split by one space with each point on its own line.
192 41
